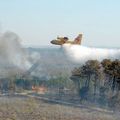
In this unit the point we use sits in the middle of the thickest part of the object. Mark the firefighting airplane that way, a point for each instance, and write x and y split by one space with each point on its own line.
65 40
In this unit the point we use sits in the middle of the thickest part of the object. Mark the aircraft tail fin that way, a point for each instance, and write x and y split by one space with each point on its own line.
78 39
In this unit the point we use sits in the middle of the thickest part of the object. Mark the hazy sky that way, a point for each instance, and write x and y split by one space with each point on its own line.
39 21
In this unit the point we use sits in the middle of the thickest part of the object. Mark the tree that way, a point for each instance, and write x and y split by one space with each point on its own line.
84 74
76 77
106 64
92 68
112 70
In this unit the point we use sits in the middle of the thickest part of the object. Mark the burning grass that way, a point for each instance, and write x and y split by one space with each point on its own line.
20 108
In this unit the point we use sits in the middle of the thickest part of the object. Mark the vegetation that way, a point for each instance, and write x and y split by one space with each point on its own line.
22 108
95 82
98 81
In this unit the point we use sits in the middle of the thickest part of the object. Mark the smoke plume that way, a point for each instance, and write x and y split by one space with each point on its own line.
12 55
81 54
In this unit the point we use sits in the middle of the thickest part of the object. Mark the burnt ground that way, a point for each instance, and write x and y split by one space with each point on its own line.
24 108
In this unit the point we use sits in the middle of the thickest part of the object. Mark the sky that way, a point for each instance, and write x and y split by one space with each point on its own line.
37 22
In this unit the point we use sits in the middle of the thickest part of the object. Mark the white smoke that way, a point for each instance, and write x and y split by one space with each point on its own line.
12 55
81 54
34 57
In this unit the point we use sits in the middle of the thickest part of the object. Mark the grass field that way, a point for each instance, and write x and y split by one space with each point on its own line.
21 108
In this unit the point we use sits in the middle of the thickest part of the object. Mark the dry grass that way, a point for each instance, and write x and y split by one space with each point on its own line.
16 108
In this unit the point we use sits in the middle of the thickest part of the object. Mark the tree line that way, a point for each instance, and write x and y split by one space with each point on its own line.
98 81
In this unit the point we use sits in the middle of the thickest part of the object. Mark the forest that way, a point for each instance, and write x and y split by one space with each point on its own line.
92 82
99 82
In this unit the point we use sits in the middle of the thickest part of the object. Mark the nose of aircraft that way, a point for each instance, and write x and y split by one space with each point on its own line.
56 42
53 41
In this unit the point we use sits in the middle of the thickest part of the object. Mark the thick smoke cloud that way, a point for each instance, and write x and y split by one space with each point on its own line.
12 55
81 54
